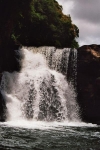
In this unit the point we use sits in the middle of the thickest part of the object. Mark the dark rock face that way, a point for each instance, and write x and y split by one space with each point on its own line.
2 108
88 81
9 58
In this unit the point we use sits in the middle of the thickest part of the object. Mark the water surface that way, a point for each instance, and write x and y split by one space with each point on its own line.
49 136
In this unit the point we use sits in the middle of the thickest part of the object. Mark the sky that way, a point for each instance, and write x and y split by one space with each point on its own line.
85 15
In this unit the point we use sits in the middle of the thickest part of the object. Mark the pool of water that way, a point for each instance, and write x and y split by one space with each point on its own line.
49 136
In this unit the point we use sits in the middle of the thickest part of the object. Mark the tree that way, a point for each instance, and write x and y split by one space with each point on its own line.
36 23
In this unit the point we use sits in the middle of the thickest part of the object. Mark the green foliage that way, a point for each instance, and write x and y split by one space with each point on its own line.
41 22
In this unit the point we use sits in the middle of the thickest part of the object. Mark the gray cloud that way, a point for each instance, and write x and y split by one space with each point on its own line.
88 10
86 15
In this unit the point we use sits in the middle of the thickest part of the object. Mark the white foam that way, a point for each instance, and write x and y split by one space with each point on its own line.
46 125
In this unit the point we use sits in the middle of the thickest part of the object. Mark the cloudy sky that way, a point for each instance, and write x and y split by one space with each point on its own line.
86 15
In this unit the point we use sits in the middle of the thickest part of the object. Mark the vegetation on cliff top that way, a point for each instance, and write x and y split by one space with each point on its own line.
36 22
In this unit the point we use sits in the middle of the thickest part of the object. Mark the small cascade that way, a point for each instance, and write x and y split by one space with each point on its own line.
72 68
40 91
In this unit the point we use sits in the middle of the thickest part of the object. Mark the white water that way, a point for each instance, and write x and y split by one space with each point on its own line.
40 92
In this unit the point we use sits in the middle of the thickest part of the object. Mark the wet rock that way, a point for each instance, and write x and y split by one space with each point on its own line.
2 108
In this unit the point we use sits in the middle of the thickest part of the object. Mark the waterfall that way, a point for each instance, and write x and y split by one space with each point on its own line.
40 91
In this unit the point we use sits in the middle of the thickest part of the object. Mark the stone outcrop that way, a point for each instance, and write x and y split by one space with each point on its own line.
88 82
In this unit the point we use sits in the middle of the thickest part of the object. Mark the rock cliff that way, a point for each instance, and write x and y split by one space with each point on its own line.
88 82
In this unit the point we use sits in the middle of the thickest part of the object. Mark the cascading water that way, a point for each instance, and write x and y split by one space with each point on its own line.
40 91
